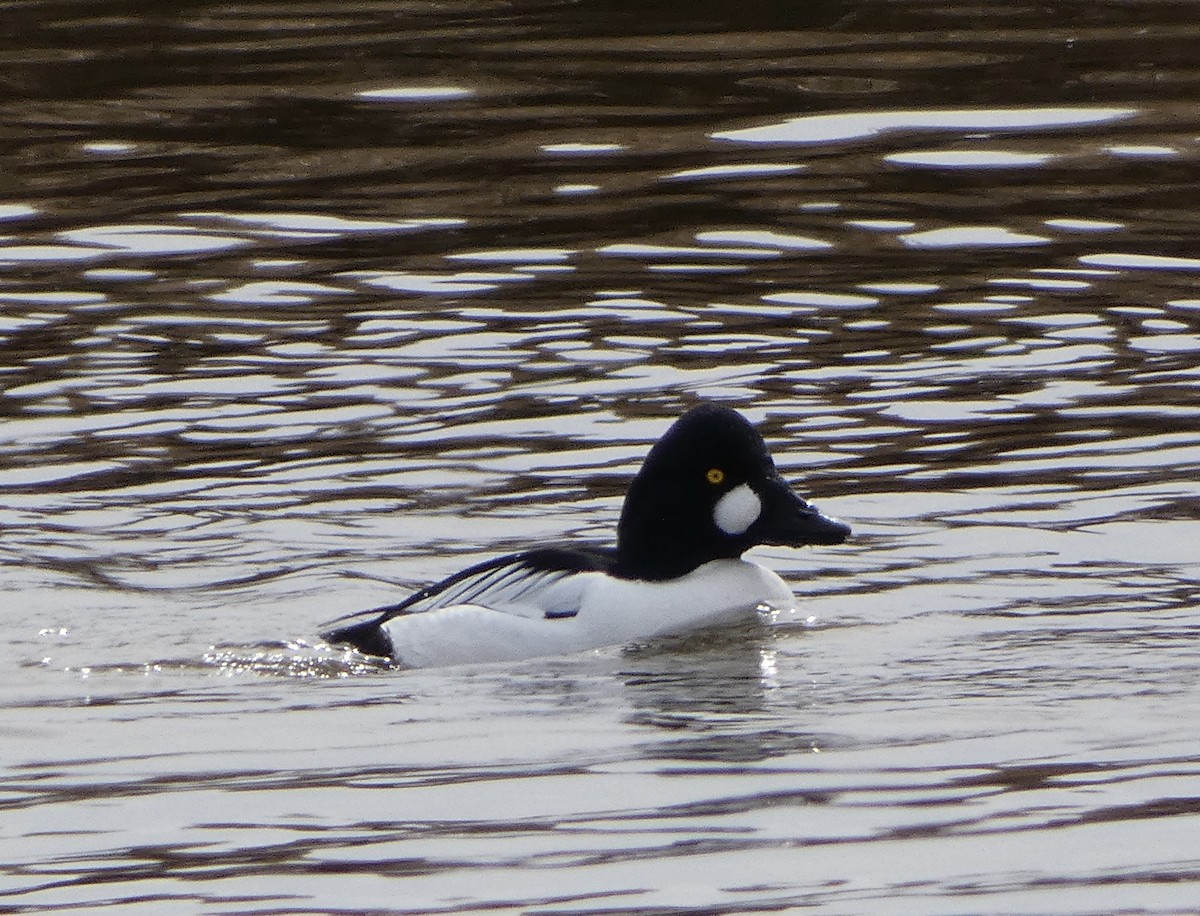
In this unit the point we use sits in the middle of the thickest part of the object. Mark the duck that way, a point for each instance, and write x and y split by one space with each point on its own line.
706 493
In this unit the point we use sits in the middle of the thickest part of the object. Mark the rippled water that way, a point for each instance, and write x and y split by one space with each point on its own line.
304 306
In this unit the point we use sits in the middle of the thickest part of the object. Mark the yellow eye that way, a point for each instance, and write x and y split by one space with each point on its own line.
715 475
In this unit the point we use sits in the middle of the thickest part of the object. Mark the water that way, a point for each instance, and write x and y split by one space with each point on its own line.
302 307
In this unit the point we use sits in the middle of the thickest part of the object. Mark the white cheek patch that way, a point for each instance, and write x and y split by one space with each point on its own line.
737 510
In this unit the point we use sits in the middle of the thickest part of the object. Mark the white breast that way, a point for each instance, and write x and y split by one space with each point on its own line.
620 610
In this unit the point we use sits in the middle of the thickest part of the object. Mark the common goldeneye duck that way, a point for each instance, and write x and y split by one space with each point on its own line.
707 492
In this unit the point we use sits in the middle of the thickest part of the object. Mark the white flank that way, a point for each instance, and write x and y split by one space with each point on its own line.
610 612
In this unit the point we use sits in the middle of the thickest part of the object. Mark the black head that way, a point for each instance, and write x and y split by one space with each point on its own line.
708 490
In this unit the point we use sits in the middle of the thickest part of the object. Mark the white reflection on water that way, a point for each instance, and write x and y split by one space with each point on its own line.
417 94
109 148
276 292
860 124
1141 261
971 237
971 159
1143 151
882 225
318 223
576 189
153 239
441 284
765 238
642 250
16 211
1084 225
52 298
747 170
581 149
528 256
50 253
828 300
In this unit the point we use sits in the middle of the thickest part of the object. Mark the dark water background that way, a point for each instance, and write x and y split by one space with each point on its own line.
303 305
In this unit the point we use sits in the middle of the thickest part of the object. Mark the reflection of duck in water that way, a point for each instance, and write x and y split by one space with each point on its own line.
707 492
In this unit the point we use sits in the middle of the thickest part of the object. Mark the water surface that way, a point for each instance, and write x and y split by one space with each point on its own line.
303 307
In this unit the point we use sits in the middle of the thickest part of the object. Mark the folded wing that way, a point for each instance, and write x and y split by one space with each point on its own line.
533 584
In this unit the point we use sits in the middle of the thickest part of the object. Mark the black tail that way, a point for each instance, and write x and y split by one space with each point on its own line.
367 637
